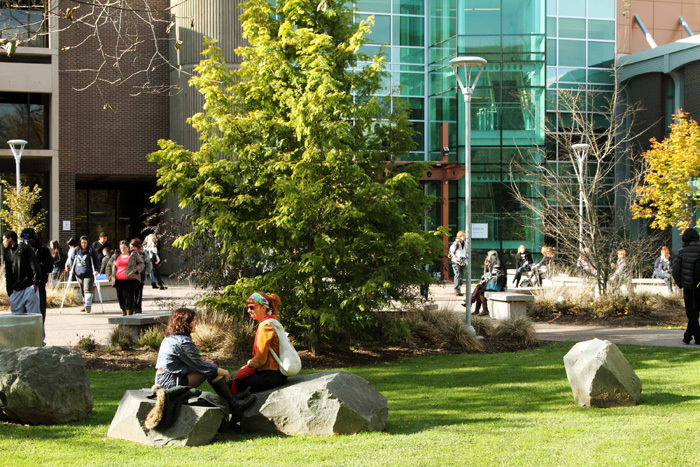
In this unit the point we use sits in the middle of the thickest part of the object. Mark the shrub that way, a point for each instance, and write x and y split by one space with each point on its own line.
211 329
442 328
153 337
87 343
54 295
239 338
396 330
482 326
520 330
121 337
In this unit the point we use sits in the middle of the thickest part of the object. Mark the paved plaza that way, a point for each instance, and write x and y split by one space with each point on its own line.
66 327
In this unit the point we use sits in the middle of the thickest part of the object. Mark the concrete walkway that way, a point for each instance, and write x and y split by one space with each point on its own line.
66 327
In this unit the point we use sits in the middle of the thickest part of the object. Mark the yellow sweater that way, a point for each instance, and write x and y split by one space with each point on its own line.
266 339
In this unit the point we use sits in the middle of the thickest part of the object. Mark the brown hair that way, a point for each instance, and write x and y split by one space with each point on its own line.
135 242
180 323
274 301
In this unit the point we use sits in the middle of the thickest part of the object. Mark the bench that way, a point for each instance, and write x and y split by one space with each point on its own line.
655 286
508 305
140 322
109 293
20 330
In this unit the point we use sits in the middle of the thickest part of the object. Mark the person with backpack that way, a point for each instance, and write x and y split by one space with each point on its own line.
43 254
686 274
83 261
458 256
262 371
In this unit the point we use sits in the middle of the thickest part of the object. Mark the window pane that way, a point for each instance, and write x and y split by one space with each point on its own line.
601 76
570 27
601 54
572 74
408 30
551 51
572 8
411 83
22 24
522 16
375 6
572 53
601 29
381 31
408 7
481 17
600 8
551 27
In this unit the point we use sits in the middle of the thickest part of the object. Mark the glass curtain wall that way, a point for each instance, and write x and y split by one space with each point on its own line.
507 111
399 33
580 56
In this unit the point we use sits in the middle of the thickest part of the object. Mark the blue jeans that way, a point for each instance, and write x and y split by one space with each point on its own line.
459 275
86 284
668 279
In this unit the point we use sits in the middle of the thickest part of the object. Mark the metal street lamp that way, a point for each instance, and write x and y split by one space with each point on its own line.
472 66
581 151
17 146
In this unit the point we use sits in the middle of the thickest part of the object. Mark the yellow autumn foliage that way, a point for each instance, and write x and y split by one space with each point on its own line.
668 197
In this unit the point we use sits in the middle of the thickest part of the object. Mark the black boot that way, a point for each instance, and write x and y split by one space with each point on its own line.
235 407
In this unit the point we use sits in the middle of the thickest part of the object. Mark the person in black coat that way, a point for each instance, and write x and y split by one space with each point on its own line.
686 279
43 254
523 263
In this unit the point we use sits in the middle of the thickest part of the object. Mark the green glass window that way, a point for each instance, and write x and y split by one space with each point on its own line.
481 17
600 8
552 7
407 55
375 6
415 109
408 7
370 50
551 51
572 74
601 29
523 44
408 30
572 27
601 54
522 16
572 53
412 84
599 101
381 31
551 100
551 26
572 7
601 76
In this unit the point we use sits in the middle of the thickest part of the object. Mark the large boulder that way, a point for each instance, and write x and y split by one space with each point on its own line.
318 404
193 426
600 376
43 386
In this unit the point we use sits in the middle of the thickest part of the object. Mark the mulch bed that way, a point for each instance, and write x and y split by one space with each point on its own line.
366 354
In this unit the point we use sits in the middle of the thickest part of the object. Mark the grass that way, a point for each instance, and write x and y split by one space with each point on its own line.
472 409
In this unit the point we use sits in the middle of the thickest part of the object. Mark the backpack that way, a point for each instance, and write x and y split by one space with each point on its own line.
288 359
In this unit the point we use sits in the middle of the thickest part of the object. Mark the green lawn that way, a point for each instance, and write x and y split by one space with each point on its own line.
504 409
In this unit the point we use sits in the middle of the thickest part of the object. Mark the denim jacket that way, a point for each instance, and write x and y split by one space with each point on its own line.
178 356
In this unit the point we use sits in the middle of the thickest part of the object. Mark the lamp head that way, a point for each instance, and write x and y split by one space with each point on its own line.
17 146
471 65
468 62
580 146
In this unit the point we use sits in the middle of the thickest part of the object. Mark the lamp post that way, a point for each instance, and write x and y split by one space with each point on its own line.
17 146
581 151
472 66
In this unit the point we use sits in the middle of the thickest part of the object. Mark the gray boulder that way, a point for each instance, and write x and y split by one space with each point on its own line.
194 425
600 376
43 386
318 404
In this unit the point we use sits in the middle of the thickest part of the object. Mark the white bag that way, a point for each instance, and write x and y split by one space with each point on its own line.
288 359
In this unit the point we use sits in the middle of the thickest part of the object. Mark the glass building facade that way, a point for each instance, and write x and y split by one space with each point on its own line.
535 49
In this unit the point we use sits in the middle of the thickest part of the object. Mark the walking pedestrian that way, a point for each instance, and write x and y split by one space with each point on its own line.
43 255
685 276
85 269
458 256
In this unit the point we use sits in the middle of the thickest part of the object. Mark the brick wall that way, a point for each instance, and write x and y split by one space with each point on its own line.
107 130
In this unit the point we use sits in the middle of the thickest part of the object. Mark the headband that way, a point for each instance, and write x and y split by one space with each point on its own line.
260 299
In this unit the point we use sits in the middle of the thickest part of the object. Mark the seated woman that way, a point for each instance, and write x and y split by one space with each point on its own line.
179 362
262 371
523 263
495 273
663 268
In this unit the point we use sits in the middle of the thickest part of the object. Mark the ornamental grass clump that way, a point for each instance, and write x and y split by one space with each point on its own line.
482 326
239 337
211 330
153 337
519 330
121 337
442 328
87 343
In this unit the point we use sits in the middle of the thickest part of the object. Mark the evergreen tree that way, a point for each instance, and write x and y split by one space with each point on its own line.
299 170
